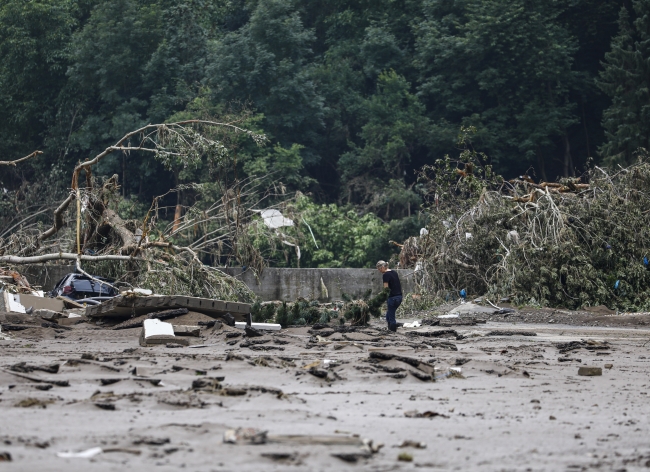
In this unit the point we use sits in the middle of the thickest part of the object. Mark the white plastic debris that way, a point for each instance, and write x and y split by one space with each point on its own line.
468 236
274 219
414 324
450 315
513 236
143 291
423 232
138 291
87 454
155 327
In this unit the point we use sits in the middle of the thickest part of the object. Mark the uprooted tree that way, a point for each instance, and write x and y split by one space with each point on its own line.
576 242
168 258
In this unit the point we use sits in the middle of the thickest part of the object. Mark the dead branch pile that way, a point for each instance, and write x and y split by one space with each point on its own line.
166 257
578 242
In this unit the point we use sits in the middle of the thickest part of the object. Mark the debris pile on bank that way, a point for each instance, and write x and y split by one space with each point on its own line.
577 242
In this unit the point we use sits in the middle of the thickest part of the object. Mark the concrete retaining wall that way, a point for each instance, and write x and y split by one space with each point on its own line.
289 284
273 284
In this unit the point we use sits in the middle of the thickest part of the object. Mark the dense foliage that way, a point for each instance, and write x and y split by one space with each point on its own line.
354 96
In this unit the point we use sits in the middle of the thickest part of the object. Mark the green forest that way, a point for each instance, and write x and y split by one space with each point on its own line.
353 98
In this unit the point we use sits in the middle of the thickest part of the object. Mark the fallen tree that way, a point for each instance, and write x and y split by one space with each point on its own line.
86 226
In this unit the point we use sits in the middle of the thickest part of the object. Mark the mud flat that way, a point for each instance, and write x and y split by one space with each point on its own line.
491 396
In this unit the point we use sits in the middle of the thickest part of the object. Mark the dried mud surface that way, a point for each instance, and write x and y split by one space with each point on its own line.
518 404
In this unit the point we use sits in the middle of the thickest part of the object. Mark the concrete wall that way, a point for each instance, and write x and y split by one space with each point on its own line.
289 284
274 284
45 275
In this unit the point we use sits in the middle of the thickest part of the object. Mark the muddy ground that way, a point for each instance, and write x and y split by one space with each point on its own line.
517 404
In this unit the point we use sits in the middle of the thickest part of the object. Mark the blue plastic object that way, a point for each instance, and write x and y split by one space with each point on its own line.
645 261
616 284
463 294
608 246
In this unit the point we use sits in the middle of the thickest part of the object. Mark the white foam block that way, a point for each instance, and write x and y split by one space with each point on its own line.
156 327
263 326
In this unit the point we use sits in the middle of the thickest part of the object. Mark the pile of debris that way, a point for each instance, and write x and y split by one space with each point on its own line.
578 242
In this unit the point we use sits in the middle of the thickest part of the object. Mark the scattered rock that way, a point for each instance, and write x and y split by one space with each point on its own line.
229 319
351 456
316 372
252 332
279 456
151 441
426 414
405 457
105 406
108 381
590 371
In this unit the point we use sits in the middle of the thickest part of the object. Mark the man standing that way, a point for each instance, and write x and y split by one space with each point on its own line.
391 281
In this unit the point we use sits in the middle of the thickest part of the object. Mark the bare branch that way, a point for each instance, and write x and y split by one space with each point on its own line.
62 256
13 163
58 218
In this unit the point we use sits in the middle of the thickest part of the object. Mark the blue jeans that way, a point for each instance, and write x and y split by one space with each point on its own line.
393 304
